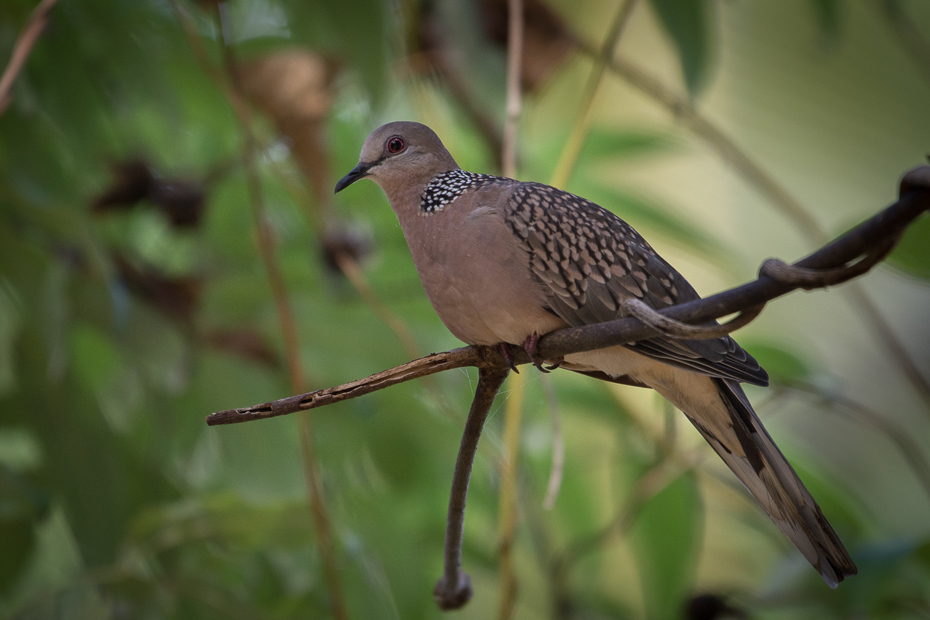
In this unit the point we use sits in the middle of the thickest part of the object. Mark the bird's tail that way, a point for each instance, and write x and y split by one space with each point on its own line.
752 455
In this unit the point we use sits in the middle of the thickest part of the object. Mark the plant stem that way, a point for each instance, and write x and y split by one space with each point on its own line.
508 465
286 319
569 156
21 49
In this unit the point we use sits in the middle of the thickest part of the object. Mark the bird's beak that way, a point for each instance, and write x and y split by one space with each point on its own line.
358 172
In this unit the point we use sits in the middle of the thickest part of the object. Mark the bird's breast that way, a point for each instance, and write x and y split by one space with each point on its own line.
477 276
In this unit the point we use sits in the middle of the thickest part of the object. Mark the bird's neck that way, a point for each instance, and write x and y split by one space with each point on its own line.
405 199
406 196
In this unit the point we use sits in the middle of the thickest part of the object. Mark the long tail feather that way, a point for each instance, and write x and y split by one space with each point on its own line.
765 472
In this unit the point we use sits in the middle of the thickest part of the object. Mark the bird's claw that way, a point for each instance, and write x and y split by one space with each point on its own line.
504 349
529 345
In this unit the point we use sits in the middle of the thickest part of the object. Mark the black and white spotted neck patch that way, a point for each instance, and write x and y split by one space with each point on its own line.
446 187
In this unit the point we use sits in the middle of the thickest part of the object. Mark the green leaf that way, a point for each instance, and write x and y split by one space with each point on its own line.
912 254
690 24
827 13
17 540
21 506
922 554
608 143
667 540
10 319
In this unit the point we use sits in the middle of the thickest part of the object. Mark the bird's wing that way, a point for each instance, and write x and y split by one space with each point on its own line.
591 260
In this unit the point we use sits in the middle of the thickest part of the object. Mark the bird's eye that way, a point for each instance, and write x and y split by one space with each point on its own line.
396 145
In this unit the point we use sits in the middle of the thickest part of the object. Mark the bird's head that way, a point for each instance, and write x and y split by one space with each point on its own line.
400 155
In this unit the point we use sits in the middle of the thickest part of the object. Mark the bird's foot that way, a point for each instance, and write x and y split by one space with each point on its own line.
529 345
504 349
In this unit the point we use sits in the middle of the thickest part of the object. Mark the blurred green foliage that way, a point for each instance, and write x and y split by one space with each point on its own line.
133 302
690 24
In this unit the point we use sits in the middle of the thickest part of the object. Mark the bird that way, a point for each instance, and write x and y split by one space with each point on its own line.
505 262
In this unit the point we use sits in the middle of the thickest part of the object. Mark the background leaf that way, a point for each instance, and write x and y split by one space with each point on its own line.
667 538
828 14
691 25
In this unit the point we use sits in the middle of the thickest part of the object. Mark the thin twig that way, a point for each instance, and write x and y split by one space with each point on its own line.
566 163
514 103
454 589
810 279
853 409
200 52
514 409
860 240
886 336
508 497
671 328
557 470
285 318
429 365
22 48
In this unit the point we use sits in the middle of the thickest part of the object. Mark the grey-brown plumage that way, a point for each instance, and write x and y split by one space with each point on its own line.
502 260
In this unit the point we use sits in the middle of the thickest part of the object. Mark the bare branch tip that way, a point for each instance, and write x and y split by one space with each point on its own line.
917 178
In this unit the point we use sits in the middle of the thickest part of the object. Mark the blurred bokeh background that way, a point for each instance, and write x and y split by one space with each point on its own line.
170 247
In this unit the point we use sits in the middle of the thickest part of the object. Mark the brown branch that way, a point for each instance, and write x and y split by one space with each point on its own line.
431 364
22 48
454 589
859 241
670 328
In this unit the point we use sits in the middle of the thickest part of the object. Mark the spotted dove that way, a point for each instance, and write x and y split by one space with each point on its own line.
503 261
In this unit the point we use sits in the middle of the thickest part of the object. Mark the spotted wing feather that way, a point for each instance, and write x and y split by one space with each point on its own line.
591 260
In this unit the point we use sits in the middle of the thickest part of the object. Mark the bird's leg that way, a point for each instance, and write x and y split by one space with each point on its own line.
529 345
504 349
